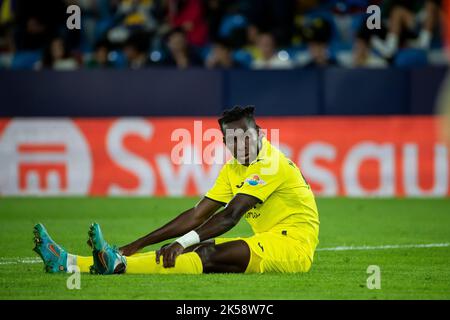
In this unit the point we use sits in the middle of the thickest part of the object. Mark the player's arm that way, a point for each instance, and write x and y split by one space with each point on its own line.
226 219
186 221
215 226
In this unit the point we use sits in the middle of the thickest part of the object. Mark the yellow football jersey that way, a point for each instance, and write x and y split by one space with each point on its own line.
287 204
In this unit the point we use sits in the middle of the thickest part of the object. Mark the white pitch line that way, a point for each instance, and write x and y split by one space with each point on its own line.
389 246
32 260
17 260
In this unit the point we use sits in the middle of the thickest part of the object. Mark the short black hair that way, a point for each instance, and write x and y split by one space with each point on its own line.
237 113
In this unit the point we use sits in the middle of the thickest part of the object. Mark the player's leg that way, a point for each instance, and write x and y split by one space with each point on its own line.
57 259
206 257
186 263
228 257
54 256
277 251
108 260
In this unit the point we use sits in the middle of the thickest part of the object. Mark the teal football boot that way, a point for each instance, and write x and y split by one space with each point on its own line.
53 255
107 259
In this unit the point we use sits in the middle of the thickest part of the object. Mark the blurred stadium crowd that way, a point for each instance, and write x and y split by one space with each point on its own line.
257 34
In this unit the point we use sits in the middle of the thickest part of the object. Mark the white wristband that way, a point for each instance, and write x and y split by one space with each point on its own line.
189 239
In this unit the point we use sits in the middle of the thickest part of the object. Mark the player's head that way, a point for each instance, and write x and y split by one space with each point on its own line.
240 133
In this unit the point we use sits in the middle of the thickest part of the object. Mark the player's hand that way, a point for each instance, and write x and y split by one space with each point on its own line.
129 250
169 253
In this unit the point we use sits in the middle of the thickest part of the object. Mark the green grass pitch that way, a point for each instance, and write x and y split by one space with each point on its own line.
406 272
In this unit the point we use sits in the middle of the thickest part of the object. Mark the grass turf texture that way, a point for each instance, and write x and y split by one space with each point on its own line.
413 273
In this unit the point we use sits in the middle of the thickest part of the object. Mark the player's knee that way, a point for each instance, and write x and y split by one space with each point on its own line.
195 247
206 252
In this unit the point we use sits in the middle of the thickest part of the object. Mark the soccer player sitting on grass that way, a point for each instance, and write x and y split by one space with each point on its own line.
259 182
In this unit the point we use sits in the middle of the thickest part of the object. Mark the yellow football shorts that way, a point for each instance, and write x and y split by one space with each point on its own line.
274 252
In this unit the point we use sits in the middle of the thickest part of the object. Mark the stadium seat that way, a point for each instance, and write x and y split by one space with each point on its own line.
118 59
336 47
231 22
243 58
102 26
25 59
203 52
406 58
357 21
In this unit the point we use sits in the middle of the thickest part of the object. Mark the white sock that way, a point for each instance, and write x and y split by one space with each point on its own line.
71 263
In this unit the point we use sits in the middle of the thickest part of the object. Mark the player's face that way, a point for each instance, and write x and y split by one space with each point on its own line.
241 138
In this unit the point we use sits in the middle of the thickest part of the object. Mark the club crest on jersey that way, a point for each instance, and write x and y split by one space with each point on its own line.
255 180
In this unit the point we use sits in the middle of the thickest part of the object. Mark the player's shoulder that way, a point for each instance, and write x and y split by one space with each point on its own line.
232 162
230 165
271 153
271 158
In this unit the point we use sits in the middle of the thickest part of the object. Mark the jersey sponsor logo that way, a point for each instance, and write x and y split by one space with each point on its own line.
255 180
